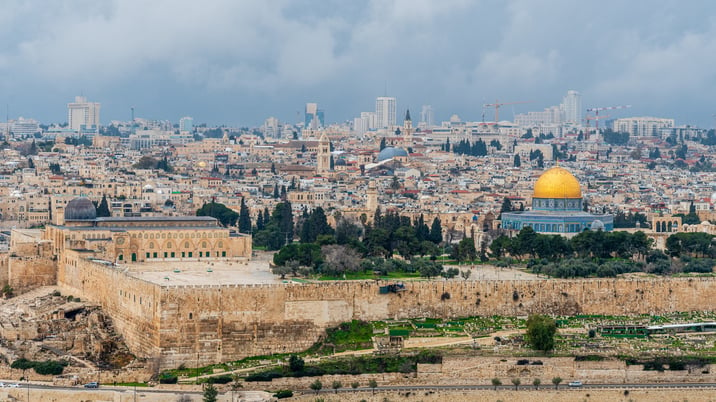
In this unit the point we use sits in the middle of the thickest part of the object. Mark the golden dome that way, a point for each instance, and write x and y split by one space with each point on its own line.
557 183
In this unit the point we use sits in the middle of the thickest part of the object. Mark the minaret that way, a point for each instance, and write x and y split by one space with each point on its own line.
407 130
371 203
324 155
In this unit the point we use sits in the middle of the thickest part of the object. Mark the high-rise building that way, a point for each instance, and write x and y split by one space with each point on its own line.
272 128
642 126
426 117
83 115
314 117
186 124
572 106
385 112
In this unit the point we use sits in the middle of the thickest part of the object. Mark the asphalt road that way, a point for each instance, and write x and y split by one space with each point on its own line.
523 387
436 388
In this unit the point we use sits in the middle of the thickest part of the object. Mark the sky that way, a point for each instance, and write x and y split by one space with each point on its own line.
237 62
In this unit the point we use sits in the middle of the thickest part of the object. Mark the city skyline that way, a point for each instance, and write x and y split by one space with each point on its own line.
224 66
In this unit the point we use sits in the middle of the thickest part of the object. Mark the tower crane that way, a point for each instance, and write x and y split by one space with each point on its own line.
596 111
596 118
497 105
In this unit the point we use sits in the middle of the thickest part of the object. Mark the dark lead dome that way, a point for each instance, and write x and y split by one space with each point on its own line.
391 152
80 209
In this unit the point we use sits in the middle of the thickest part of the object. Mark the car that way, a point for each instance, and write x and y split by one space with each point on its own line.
13 385
2 385
92 384
575 384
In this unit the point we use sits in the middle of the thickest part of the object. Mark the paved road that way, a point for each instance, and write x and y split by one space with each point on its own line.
524 387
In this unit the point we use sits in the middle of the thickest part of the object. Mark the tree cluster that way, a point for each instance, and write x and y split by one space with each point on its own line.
277 229
465 147
614 138
592 244
225 215
628 220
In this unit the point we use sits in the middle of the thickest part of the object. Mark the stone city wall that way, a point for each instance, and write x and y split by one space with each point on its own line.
132 303
198 325
30 272
205 324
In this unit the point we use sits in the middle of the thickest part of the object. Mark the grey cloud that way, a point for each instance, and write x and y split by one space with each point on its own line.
237 62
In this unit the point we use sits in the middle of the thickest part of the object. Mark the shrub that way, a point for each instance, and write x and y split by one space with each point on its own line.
168 378
22 364
221 379
50 367
284 393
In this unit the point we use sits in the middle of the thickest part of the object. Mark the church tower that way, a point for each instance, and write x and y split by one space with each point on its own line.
324 155
407 130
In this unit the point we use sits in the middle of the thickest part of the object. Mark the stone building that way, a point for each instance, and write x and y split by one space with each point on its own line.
140 239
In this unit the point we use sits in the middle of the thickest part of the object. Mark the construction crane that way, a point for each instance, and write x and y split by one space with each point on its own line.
596 118
596 111
497 105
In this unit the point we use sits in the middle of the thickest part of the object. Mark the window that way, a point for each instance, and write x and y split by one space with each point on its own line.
223 253
148 255
154 255
190 254
172 254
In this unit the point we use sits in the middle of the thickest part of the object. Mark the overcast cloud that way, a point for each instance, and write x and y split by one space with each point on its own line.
238 62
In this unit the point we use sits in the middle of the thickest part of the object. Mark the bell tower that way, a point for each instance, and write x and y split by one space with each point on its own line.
324 155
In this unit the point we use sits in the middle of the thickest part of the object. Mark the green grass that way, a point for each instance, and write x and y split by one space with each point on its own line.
130 384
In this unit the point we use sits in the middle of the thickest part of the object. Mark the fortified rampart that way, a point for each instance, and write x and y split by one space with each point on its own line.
207 324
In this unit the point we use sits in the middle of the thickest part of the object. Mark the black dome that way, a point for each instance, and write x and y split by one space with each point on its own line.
80 209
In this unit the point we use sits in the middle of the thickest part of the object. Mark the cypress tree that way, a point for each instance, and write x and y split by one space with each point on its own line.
103 208
244 218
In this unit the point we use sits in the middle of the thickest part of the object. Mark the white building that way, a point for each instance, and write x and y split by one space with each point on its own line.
23 127
642 126
186 124
82 115
366 122
426 117
549 116
572 106
272 128
385 112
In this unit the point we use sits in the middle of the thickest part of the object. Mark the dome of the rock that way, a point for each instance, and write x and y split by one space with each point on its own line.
557 183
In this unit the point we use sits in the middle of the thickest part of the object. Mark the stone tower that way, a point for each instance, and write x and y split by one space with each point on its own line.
407 130
324 155
371 203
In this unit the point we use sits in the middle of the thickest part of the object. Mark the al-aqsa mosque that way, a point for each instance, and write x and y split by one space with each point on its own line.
557 208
